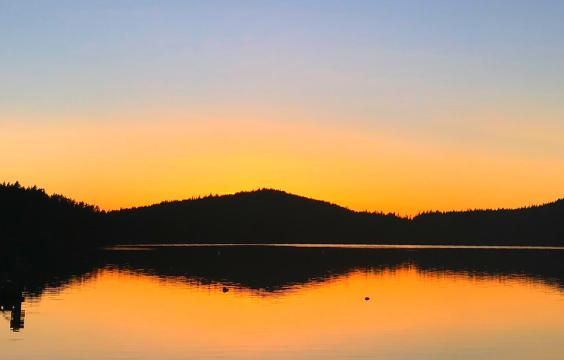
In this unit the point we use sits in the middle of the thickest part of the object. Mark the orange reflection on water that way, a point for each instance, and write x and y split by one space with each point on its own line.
410 314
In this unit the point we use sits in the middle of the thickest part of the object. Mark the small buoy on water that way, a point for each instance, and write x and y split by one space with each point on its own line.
225 289
366 298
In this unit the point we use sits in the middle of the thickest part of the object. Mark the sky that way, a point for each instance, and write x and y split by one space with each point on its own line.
394 106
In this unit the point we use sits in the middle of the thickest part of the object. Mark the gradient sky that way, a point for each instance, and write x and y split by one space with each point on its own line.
376 105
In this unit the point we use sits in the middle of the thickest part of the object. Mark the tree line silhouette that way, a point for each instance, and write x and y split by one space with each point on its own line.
30 218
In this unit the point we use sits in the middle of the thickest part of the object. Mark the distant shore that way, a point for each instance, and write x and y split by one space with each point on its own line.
30 218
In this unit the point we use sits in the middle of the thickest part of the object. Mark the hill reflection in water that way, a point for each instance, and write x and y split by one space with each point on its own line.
265 270
241 302
279 268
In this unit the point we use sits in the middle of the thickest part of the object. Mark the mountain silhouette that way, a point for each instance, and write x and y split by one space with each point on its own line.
262 216
30 218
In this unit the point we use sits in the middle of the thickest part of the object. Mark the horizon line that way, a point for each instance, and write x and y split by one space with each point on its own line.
211 195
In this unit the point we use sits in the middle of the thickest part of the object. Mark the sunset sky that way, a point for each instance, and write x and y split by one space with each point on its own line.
396 106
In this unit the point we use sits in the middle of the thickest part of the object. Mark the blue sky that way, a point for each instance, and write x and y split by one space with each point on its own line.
78 55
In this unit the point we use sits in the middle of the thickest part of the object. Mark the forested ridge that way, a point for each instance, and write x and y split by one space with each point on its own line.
29 217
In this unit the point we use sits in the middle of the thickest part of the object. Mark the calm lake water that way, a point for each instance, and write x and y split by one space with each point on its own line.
260 302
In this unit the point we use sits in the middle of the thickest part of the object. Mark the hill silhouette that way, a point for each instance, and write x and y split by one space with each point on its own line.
262 216
31 218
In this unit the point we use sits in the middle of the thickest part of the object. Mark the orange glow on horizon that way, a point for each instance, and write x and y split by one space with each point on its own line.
140 161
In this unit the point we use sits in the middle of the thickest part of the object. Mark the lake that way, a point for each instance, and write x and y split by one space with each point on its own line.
285 302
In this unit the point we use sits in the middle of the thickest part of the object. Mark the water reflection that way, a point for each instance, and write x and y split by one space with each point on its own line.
267 271
274 269
279 303
11 299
